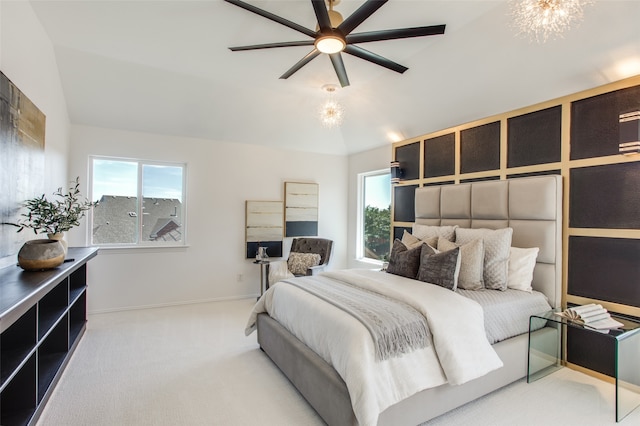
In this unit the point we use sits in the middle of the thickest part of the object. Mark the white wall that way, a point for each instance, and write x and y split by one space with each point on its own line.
367 161
27 59
220 177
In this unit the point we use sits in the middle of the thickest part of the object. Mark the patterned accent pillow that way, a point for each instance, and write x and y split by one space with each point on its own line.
471 262
412 241
298 263
440 268
403 261
497 243
428 231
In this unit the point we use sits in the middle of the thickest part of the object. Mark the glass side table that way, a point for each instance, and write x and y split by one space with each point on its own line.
546 353
264 275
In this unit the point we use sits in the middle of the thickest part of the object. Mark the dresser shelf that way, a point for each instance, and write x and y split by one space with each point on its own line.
43 315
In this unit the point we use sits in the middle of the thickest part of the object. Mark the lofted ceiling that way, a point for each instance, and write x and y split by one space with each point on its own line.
164 67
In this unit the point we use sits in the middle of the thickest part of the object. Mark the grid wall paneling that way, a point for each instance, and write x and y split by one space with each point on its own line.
605 196
591 351
577 137
595 123
535 138
409 158
480 148
605 269
404 202
439 156
398 231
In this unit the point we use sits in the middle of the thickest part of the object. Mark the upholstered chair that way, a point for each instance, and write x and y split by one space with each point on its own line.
308 256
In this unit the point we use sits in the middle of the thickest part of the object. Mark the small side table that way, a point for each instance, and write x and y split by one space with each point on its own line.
264 275
546 350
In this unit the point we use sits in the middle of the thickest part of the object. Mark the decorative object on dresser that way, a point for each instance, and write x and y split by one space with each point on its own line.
54 217
42 318
301 209
37 255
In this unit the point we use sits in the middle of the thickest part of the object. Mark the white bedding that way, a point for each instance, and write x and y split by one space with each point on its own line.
460 351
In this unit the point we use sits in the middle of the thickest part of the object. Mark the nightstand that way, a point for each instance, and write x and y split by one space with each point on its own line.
264 275
546 352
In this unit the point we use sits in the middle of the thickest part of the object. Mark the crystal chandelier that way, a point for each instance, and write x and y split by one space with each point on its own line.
331 112
544 19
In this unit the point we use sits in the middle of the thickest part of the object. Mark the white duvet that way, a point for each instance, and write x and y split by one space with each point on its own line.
459 352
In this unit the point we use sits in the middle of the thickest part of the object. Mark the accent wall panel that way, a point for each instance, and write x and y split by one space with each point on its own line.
591 351
605 269
301 209
480 148
535 138
404 203
409 158
398 231
440 156
605 196
595 123
264 223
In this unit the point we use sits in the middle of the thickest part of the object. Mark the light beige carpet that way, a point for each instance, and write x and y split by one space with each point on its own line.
192 365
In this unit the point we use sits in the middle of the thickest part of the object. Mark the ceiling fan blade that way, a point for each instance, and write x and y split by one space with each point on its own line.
272 45
301 63
275 18
396 34
341 71
375 58
358 17
322 15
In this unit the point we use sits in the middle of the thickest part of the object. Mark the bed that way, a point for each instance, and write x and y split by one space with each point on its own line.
531 207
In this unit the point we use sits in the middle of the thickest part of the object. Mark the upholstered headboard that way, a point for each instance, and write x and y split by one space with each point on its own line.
532 206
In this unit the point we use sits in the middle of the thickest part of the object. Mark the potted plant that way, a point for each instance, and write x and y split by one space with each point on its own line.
54 217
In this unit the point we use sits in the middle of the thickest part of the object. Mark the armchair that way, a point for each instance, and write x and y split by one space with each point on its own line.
302 246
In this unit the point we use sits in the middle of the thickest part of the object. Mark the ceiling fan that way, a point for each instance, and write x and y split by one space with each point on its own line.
333 36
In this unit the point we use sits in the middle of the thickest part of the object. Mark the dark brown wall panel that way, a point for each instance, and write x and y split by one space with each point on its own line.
398 231
480 148
591 351
409 158
534 138
439 156
541 173
404 203
605 269
605 196
595 122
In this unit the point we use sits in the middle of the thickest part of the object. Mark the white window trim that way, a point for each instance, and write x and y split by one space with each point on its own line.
140 244
360 257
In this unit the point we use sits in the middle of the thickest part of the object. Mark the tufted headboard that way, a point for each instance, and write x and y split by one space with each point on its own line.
532 206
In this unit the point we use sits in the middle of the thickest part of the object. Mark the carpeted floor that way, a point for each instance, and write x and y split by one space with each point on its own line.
192 365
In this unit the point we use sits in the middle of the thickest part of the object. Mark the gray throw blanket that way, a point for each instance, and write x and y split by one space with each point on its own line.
396 327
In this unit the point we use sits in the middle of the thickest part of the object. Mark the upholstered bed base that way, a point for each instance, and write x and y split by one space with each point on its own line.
327 393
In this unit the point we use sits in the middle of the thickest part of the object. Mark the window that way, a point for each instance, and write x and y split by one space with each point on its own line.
375 215
139 202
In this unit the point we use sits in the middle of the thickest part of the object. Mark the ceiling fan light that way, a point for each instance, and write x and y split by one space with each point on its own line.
330 44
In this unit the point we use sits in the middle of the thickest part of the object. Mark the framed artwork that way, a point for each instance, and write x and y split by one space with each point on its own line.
264 227
301 209
22 130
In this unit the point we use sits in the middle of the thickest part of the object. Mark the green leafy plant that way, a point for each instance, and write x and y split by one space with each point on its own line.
53 216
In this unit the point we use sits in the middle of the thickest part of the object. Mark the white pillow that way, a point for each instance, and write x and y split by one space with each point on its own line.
521 264
496 253
411 241
472 262
428 231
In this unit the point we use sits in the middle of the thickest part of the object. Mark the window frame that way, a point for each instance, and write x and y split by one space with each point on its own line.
140 244
360 219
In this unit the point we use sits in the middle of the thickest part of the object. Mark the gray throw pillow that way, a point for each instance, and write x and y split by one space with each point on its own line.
403 261
440 268
497 243
471 262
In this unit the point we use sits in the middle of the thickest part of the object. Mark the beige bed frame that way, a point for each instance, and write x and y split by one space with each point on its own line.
532 206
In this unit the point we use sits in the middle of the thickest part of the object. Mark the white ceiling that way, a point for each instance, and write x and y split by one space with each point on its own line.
164 67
